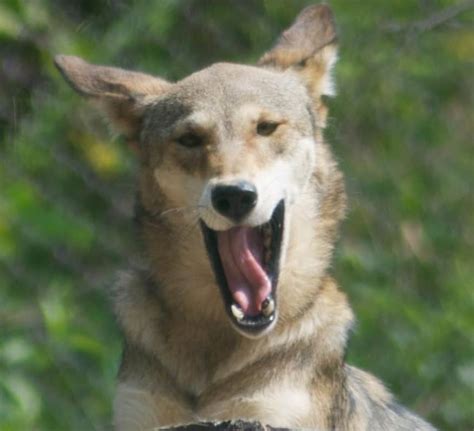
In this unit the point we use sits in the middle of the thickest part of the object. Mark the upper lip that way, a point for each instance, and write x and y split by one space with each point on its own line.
250 324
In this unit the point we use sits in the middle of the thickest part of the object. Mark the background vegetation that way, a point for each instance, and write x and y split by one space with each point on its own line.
402 128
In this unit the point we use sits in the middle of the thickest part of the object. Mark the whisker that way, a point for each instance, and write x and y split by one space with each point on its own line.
188 229
178 210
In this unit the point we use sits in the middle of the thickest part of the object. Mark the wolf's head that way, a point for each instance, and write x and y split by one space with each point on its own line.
234 173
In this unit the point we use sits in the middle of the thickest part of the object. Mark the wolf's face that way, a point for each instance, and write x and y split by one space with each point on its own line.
235 146
235 143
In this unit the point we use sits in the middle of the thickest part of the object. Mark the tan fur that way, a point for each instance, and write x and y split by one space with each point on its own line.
183 360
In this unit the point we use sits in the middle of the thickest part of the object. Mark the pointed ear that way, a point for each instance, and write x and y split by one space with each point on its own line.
121 94
309 47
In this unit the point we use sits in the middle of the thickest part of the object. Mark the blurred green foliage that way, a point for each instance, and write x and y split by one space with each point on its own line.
401 126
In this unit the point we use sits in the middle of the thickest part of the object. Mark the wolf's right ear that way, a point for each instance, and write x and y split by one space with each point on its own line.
309 47
121 94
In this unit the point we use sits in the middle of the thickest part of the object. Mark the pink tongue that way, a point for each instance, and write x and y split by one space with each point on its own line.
241 251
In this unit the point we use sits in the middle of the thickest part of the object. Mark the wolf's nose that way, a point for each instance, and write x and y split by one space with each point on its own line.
234 201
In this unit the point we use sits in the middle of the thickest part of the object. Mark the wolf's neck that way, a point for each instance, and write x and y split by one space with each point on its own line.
198 355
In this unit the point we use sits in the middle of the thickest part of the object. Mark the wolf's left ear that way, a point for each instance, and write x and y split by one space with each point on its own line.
122 95
309 47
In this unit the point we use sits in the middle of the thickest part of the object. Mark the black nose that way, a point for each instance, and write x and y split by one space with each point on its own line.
234 201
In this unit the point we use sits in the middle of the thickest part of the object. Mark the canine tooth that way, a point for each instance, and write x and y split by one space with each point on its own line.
237 312
268 306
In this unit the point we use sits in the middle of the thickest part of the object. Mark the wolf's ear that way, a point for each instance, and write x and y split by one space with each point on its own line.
309 47
121 94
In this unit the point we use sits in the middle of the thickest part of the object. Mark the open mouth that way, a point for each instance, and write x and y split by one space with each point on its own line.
246 264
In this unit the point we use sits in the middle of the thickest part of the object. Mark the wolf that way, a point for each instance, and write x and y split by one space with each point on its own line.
234 314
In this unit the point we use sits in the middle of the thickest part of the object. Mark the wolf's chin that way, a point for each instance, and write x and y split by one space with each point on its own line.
246 265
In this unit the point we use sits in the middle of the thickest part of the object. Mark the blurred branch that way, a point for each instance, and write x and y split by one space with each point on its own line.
432 21
234 425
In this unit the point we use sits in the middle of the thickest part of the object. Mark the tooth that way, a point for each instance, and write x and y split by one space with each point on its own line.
268 256
267 240
267 231
237 312
268 306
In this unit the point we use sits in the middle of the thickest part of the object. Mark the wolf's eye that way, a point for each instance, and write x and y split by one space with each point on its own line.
266 128
190 140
